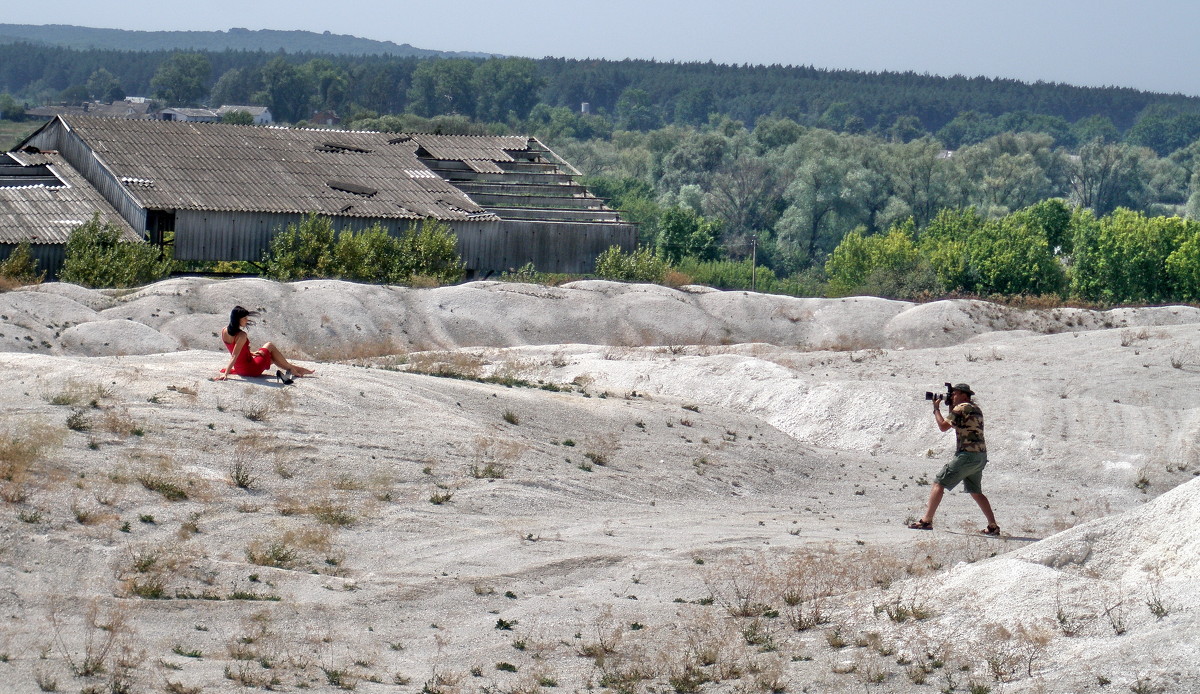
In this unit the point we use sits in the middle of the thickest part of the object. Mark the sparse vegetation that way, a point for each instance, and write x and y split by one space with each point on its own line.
170 489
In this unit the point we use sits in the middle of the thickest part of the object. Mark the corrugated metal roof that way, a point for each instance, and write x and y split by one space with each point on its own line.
47 215
472 147
202 166
483 166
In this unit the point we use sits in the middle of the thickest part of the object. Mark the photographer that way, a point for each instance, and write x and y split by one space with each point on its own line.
970 455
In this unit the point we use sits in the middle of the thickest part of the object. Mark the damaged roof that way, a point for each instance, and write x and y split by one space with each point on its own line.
42 199
219 167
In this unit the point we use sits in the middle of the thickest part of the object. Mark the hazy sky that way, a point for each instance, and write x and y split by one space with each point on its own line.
1148 44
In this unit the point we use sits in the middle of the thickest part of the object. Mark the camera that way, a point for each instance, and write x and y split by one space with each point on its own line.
946 397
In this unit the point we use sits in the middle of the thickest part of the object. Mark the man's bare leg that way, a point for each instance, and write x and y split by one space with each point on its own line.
986 507
935 499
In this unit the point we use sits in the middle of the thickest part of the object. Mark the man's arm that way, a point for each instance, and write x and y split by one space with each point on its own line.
937 415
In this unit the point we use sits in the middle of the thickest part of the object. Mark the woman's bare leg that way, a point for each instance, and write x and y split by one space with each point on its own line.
280 361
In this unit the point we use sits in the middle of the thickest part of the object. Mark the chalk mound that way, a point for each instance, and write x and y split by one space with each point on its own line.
111 338
329 319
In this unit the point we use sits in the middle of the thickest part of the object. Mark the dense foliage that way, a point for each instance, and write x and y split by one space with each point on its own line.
96 256
626 95
426 253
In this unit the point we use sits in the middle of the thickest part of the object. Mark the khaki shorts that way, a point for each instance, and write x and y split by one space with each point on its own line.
966 467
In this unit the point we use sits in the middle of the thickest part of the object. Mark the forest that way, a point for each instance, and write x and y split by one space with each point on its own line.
810 172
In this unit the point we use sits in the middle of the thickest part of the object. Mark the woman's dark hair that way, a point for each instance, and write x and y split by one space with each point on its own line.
235 320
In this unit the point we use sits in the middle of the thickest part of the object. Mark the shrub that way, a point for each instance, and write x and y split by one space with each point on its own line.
642 265
97 257
301 251
20 267
427 253
431 250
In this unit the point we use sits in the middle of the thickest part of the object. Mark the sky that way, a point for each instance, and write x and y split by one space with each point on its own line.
1149 44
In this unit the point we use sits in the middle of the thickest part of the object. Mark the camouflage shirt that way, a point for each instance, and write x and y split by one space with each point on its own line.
967 420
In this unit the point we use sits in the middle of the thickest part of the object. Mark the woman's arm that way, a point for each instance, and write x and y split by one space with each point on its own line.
238 344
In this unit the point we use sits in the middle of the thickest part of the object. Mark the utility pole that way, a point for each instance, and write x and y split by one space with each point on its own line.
754 262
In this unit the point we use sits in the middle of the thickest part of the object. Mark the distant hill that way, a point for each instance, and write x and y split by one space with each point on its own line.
235 39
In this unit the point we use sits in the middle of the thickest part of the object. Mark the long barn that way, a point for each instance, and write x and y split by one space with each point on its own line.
227 190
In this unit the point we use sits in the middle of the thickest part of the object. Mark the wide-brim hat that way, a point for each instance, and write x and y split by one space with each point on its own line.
963 387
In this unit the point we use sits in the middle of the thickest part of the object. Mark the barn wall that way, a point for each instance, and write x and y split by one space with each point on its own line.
49 256
550 246
486 247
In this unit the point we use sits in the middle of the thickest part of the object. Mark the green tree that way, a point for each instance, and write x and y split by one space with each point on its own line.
1008 256
503 86
920 179
103 86
329 83
237 117
836 186
236 86
442 86
1053 219
96 256
286 89
906 128
1095 127
1010 171
945 243
1123 257
9 108
182 79
1183 265
1164 129
636 110
693 105
684 234
1106 176
883 259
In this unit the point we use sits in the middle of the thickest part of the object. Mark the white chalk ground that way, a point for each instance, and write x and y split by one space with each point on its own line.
715 472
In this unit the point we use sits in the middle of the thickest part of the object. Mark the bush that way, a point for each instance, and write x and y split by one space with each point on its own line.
311 249
97 257
20 267
642 265
859 259
431 250
301 251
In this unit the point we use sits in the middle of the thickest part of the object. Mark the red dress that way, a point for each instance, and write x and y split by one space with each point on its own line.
247 363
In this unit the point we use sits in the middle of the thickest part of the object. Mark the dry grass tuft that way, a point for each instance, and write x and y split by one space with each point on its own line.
293 549
357 352
22 454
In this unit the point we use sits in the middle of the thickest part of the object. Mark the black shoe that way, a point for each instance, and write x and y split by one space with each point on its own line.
285 377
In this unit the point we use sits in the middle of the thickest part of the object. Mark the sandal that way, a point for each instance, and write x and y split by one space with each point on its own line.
921 525
993 530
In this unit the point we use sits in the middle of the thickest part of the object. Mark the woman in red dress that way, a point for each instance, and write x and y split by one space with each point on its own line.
245 362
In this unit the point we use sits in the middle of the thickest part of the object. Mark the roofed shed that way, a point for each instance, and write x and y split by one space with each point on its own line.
227 190
42 199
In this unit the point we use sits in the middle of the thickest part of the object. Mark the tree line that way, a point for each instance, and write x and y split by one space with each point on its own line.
630 94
